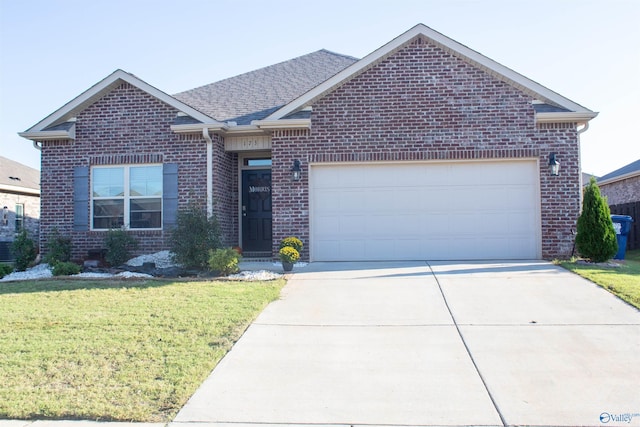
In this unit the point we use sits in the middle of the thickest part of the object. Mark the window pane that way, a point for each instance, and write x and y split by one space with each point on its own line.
19 217
146 181
108 182
257 162
146 213
108 214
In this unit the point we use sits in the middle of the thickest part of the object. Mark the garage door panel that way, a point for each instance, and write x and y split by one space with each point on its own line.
466 210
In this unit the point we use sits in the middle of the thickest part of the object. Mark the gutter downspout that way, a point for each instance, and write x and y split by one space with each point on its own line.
207 137
583 129
36 146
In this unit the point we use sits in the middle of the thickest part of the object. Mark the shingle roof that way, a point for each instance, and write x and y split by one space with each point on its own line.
14 174
256 94
625 170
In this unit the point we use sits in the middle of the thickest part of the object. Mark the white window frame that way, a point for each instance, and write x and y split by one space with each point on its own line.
126 197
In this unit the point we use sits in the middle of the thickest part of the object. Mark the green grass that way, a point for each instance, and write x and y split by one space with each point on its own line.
623 281
116 350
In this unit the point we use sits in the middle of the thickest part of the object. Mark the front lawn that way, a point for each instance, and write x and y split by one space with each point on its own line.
623 281
116 350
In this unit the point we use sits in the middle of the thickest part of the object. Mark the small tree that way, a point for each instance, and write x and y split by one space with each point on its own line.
596 238
194 236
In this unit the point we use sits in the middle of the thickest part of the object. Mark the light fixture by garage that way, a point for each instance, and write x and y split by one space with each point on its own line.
554 165
296 172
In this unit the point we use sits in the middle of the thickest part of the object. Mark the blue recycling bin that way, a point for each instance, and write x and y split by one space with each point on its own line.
622 226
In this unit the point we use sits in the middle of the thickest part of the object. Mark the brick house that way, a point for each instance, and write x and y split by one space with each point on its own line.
424 149
622 185
19 203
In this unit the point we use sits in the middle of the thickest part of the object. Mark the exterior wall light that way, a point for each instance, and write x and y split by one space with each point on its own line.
296 172
554 165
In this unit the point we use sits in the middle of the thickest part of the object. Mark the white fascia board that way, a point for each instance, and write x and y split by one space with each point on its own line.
220 128
95 92
565 117
632 174
283 124
18 189
49 135
198 127
492 67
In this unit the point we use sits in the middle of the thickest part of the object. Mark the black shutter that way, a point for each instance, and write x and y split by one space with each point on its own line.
169 195
80 198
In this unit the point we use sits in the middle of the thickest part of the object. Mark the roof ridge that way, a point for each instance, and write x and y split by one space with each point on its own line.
337 54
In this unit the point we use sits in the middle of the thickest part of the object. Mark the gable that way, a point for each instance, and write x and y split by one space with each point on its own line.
125 115
61 123
421 86
562 109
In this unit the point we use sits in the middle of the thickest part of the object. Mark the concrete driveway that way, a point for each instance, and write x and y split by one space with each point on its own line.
426 344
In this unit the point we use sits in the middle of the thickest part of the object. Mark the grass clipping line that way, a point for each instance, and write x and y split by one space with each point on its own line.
117 350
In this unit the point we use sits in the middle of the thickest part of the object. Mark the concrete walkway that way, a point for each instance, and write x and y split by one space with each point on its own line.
426 344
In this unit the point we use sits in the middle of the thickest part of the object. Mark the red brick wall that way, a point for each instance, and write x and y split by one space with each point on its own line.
423 103
125 126
225 190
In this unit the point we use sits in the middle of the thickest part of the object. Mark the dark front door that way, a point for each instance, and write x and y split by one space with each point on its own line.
256 211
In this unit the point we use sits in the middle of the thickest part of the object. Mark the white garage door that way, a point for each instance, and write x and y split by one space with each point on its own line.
425 211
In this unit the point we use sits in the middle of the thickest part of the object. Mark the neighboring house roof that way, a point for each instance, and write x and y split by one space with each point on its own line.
560 109
18 178
60 124
257 94
629 171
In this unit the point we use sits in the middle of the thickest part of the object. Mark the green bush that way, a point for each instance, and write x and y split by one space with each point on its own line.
24 251
292 242
596 237
289 254
65 269
5 269
224 261
119 243
58 248
193 237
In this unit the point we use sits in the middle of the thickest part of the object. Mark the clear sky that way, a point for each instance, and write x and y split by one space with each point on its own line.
53 50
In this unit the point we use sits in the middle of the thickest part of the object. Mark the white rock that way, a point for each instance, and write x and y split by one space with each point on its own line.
252 276
162 259
40 271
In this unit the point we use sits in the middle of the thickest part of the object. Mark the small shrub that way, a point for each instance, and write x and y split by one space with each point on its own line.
119 243
596 237
292 242
224 261
5 269
194 236
58 248
24 251
289 254
65 269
